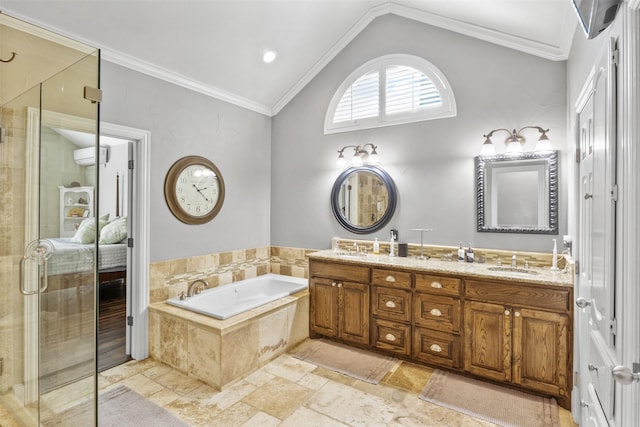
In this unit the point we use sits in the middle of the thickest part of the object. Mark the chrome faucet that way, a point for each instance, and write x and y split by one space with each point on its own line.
194 288
514 262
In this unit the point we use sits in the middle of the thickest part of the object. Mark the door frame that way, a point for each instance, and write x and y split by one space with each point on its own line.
629 160
139 304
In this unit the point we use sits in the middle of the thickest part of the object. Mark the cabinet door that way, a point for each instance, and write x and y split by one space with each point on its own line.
487 342
353 312
323 307
540 350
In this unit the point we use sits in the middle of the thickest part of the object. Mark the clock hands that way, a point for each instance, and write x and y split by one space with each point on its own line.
199 190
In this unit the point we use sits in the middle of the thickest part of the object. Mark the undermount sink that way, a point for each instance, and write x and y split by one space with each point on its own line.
352 254
513 270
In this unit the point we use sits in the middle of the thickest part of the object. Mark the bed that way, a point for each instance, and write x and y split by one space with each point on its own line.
71 257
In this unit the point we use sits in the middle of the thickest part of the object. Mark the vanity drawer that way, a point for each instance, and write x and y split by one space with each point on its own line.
392 304
438 284
542 296
352 273
436 348
437 312
396 279
392 336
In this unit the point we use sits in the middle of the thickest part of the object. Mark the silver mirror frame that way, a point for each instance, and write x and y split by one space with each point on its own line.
391 189
481 165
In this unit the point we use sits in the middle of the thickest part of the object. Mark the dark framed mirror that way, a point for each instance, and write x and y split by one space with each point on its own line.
363 199
518 193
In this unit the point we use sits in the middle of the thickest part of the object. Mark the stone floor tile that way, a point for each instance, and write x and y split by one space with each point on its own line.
259 377
306 417
262 419
279 397
178 382
287 366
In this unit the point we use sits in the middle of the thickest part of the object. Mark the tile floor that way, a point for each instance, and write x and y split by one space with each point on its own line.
290 392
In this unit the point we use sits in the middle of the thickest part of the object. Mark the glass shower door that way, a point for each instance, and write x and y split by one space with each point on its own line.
47 282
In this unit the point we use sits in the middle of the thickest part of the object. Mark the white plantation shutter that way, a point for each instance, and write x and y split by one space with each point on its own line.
408 89
361 100
390 90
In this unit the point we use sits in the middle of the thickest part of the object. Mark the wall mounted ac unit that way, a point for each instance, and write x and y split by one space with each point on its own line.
87 156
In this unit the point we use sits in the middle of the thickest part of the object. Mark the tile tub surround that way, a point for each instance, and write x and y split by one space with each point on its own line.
219 352
169 278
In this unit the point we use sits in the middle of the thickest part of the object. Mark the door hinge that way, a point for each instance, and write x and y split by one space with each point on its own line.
613 327
92 94
614 193
1 366
1 135
130 242
615 57
131 164
576 267
129 320
576 378
577 155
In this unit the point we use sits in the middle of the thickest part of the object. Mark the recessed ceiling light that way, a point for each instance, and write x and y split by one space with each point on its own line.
269 56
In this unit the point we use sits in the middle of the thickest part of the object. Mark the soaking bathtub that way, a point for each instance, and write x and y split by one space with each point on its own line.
226 301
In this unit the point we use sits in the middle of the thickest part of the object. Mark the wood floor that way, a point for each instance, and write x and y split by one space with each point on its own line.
112 324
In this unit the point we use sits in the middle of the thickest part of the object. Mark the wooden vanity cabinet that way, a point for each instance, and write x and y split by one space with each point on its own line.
505 331
528 345
339 306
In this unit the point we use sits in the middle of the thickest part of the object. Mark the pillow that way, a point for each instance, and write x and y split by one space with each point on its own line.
114 232
87 230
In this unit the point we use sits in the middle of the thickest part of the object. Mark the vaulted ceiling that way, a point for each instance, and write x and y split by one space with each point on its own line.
216 46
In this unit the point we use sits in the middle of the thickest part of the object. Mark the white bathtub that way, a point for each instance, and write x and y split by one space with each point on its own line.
225 301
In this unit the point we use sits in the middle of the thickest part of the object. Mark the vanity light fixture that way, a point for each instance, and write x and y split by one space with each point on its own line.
515 141
360 155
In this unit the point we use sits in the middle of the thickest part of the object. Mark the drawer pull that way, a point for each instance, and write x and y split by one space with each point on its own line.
435 312
390 278
333 284
340 284
436 285
390 337
436 348
507 312
517 314
390 304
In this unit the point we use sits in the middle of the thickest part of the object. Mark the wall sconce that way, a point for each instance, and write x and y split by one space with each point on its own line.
515 141
360 156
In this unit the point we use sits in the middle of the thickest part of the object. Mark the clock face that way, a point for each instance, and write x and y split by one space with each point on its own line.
194 190
197 190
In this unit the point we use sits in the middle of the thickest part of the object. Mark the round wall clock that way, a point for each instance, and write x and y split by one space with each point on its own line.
194 190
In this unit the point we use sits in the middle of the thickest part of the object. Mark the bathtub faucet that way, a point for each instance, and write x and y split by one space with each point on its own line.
194 288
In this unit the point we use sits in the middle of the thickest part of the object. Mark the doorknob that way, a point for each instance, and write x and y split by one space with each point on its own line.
588 196
583 302
625 376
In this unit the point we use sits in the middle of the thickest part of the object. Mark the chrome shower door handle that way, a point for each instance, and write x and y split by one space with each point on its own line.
39 252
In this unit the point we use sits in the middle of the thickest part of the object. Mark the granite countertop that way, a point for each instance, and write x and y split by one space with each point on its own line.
540 276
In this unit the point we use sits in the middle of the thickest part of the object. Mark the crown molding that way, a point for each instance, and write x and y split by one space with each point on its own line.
169 76
554 53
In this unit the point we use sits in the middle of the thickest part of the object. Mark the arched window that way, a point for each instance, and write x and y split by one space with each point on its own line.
390 90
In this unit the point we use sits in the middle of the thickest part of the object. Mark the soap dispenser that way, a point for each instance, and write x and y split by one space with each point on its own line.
376 247
461 253
392 245
470 254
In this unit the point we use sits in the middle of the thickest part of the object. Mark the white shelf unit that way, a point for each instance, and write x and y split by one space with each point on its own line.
76 204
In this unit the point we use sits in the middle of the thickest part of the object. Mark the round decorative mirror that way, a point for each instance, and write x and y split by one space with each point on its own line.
363 199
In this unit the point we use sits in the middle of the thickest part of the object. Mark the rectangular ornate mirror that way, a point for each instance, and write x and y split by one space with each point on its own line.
518 194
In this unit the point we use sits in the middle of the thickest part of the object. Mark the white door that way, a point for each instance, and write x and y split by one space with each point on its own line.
596 311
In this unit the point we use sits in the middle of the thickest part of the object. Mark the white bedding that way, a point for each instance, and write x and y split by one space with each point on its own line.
70 257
